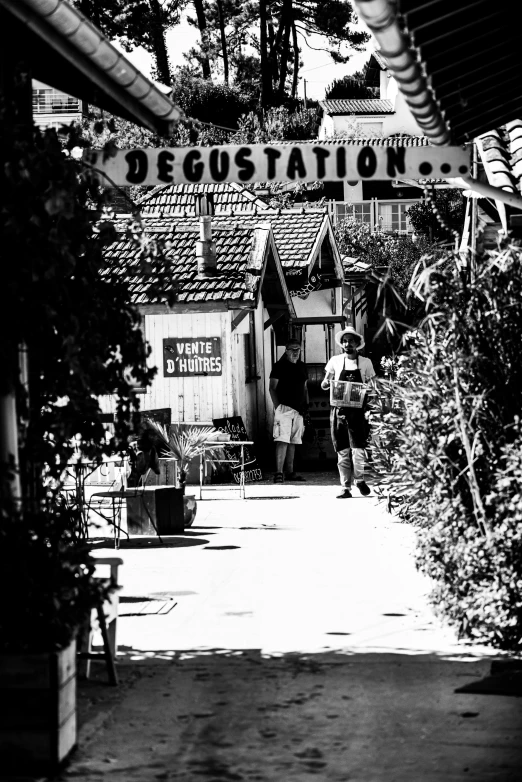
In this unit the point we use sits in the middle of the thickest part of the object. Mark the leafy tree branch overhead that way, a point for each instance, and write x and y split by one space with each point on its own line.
137 23
253 46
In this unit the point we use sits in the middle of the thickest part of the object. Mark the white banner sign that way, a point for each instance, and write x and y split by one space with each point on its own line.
278 163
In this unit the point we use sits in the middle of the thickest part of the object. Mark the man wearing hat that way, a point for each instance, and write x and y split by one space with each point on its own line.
289 393
349 427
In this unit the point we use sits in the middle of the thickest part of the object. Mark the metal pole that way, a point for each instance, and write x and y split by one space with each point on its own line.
242 474
474 215
304 85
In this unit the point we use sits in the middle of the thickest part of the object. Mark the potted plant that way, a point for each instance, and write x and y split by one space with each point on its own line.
46 578
184 445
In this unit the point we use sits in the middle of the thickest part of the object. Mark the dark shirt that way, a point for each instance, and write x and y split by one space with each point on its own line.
292 378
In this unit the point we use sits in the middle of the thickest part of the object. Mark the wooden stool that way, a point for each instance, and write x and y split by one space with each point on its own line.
106 614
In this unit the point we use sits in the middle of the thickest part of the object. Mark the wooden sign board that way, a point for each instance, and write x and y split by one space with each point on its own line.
190 356
235 427
277 163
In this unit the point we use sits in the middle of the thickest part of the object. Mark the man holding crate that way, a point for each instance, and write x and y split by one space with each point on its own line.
344 375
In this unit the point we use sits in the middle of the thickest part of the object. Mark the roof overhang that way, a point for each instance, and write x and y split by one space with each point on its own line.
457 66
68 52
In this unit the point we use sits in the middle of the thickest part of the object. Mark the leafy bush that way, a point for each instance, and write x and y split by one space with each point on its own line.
46 577
81 333
400 254
450 205
278 124
217 103
350 88
448 441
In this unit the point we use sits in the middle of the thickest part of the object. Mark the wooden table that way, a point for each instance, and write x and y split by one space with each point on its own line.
211 445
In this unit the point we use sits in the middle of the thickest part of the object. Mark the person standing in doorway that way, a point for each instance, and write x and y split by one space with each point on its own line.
349 427
289 393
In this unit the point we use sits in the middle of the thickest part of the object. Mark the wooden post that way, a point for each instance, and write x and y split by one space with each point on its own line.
16 94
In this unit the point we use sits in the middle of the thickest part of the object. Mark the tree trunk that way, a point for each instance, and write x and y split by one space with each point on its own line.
296 61
202 24
158 40
283 57
223 39
266 78
272 55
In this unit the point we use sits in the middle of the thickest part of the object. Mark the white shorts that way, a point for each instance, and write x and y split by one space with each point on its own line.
288 425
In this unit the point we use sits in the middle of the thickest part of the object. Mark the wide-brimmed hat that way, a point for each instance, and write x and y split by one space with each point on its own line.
349 330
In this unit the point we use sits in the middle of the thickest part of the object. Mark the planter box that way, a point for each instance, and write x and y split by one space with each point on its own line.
155 509
37 709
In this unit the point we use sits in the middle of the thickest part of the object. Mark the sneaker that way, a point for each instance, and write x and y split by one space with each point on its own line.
346 494
278 477
364 488
293 476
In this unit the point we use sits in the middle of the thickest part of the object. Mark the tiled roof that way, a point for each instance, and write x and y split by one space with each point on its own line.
234 245
181 198
366 106
295 233
295 230
388 141
502 156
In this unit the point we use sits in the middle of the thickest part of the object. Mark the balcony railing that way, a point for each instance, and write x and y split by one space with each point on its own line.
53 102
385 216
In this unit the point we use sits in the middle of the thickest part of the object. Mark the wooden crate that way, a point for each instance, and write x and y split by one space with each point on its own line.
37 709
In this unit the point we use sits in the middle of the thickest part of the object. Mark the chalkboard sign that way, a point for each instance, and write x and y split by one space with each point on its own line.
161 415
235 427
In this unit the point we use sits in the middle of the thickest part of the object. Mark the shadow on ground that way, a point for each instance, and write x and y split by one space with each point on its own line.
223 714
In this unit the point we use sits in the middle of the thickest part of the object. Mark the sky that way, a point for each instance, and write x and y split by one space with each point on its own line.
318 69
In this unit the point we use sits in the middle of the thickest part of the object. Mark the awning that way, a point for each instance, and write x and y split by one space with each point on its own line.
68 52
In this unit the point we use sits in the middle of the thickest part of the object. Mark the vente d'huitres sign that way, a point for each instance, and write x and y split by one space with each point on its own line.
191 356
276 163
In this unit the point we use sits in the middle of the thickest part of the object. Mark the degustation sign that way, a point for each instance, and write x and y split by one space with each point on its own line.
277 163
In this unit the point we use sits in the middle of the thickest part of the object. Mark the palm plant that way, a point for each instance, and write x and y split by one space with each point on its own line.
182 444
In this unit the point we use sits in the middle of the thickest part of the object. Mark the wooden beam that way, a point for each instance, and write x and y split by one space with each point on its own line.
236 320
272 319
320 320
181 308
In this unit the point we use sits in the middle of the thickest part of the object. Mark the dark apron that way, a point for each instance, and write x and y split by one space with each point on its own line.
349 427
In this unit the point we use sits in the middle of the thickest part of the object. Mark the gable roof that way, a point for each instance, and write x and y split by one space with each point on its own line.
350 106
241 254
68 52
380 60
